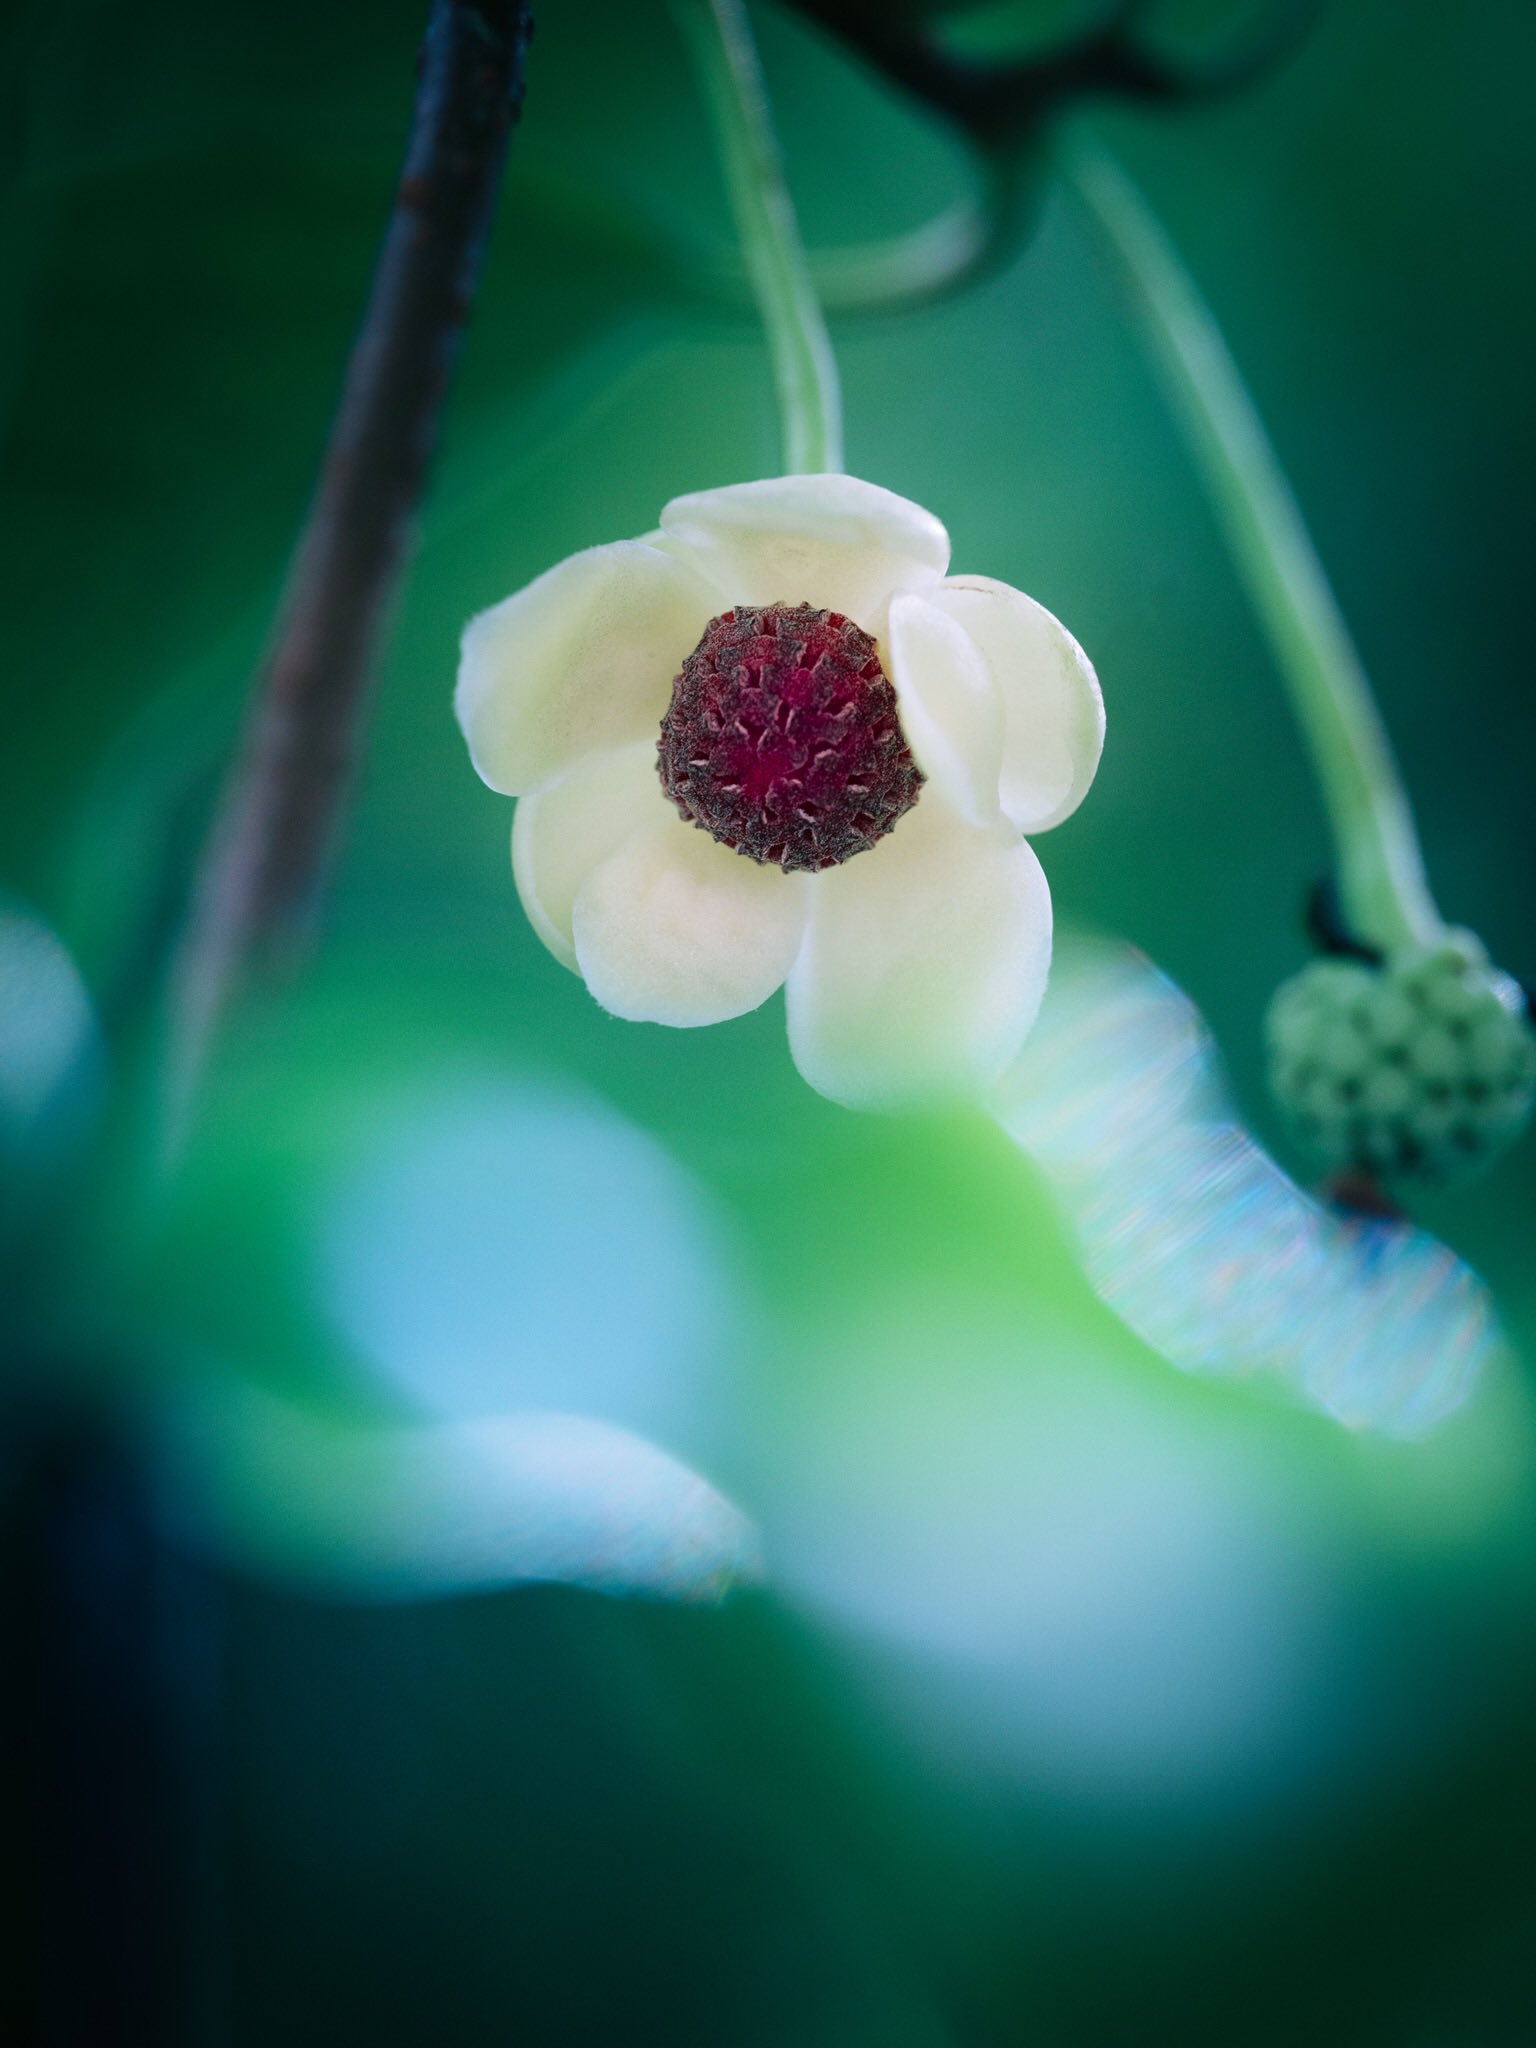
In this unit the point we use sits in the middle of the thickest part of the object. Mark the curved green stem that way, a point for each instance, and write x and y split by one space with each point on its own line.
927 262
719 39
964 246
1381 877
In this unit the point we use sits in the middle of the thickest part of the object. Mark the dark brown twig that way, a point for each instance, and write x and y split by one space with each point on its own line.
277 820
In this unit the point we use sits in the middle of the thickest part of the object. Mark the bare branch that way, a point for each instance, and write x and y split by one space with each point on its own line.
277 821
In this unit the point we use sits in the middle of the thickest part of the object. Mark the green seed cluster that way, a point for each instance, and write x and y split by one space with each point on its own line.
1421 1068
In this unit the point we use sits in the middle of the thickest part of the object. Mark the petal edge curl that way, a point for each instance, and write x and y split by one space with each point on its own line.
951 709
1053 710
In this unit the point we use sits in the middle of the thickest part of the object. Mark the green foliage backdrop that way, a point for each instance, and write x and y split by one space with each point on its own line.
537 1815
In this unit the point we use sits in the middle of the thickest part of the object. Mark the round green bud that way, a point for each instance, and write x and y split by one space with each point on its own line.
1422 1067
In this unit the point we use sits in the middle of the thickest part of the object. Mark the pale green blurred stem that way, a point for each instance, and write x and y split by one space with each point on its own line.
719 38
1381 880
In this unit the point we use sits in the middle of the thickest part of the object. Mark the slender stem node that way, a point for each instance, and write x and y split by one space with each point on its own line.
277 820
1381 876
719 39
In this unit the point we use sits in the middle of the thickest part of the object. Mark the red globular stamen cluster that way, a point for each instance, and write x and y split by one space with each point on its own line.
782 739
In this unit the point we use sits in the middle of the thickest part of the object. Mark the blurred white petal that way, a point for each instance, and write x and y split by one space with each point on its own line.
371 1512
1116 1054
1397 1290
1194 1235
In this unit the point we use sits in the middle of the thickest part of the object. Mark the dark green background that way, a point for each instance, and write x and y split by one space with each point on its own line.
540 1816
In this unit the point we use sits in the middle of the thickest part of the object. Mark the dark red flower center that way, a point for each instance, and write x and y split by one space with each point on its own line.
782 739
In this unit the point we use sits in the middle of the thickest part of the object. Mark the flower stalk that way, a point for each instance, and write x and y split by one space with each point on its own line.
719 39
1381 879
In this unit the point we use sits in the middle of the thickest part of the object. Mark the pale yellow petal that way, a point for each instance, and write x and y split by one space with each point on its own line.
563 831
830 541
923 965
581 660
951 711
674 928
1053 712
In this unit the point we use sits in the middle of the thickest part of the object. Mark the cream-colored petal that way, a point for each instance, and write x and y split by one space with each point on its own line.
582 659
1053 714
563 831
951 710
923 965
674 928
831 541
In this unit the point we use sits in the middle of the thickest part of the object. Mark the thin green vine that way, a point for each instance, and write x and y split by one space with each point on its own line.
719 38
1381 879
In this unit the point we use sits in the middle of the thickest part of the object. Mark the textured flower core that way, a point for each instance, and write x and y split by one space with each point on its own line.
782 739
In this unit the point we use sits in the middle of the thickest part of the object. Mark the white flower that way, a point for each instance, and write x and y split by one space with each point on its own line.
791 640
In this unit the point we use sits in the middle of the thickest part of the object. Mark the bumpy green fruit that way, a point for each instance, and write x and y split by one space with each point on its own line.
1421 1068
